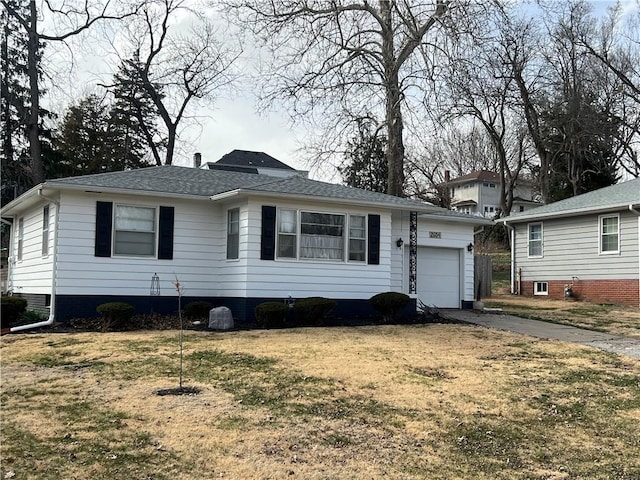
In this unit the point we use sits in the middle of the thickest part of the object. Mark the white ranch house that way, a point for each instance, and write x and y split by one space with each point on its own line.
231 238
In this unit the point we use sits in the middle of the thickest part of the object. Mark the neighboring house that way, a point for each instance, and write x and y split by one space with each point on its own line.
234 239
251 162
478 193
586 245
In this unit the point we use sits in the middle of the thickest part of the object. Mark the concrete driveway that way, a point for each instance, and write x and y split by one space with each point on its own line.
537 328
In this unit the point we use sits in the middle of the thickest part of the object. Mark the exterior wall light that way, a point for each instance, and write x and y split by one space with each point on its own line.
399 242
470 248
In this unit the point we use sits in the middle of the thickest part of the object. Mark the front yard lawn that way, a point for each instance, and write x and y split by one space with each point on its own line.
400 402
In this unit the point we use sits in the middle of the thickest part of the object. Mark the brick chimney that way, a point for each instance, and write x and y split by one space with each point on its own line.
197 160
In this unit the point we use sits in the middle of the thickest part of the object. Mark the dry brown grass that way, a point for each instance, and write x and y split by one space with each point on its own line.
405 402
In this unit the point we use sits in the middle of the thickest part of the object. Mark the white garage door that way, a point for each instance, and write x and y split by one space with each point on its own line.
439 277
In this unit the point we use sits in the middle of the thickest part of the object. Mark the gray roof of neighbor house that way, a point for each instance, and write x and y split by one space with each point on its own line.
615 197
217 184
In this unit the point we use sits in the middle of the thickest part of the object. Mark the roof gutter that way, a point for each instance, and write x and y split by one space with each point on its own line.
567 213
249 192
52 306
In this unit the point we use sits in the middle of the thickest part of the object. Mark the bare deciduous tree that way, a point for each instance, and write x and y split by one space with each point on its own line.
341 60
176 69
71 20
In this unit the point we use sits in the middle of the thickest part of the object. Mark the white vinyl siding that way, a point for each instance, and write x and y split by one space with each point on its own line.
45 231
572 249
609 234
535 240
233 233
134 231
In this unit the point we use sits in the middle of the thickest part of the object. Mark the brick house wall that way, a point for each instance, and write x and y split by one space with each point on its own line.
618 292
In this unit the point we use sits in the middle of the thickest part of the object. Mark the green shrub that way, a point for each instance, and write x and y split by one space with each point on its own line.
271 314
313 310
12 308
115 314
29 316
197 310
389 304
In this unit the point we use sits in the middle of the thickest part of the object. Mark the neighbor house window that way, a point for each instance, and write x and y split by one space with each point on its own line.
20 237
45 230
535 239
287 233
541 288
489 185
233 233
357 238
489 210
135 231
610 234
321 236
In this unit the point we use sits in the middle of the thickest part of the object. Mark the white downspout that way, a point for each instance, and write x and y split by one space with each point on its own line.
632 209
512 241
10 254
52 306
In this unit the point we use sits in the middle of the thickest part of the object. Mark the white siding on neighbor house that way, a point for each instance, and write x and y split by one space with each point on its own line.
571 248
33 273
454 235
305 278
198 249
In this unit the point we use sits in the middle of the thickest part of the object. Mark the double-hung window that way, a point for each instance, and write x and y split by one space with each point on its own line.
609 234
45 231
20 237
287 233
233 233
135 231
321 236
535 239
357 238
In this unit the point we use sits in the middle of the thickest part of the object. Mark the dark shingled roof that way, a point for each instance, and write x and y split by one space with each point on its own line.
245 158
175 180
483 175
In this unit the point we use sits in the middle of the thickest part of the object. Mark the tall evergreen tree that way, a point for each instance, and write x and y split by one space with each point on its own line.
365 164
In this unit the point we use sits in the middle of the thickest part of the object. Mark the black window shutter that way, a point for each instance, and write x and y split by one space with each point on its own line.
165 233
268 234
104 214
373 240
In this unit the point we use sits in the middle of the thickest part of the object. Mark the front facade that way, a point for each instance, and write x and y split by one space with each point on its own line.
478 193
585 247
230 238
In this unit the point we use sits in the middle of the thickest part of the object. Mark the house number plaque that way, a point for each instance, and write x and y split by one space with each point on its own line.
435 234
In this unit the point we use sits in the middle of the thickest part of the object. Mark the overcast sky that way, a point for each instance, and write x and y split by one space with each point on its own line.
231 122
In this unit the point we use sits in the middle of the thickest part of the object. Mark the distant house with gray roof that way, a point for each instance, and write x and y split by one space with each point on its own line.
253 162
584 247
232 238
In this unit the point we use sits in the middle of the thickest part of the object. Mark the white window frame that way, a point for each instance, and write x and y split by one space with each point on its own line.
363 239
541 288
344 236
490 210
116 230
601 234
45 230
20 239
293 234
233 237
297 235
529 225
488 185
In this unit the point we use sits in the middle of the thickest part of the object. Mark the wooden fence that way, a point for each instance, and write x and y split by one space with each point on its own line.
482 267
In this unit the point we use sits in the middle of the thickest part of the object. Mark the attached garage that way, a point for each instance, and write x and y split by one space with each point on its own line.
439 276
